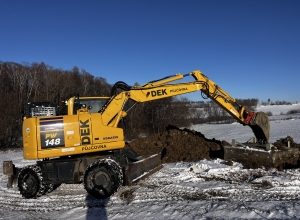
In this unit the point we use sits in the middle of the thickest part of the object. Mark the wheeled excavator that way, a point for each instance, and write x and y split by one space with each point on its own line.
83 143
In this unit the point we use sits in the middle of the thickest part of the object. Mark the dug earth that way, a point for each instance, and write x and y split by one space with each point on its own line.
191 146
180 145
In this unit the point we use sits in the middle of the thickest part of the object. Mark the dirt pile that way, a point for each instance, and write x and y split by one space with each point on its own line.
283 143
180 145
191 146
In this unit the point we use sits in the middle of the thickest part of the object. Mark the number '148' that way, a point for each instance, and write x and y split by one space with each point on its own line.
52 141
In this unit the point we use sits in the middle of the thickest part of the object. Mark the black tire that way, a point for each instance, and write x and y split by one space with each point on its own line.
30 182
103 178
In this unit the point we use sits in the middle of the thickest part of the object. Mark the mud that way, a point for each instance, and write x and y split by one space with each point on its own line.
191 146
282 143
180 145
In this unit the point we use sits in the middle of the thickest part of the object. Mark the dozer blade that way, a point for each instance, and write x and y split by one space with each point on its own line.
141 169
11 172
260 126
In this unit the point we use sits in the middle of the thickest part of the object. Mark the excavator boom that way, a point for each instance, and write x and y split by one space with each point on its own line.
113 112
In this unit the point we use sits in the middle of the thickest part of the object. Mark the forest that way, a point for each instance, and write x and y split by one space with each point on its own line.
38 82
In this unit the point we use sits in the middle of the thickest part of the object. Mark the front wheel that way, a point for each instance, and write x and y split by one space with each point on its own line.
30 182
102 178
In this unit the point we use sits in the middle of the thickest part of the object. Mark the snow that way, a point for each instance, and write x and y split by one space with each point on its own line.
281 126
207 189
278 109
278 129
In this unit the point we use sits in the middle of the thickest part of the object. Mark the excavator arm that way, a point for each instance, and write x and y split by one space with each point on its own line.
258 121
113 111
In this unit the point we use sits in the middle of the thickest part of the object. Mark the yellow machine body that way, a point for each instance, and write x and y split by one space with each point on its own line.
80 133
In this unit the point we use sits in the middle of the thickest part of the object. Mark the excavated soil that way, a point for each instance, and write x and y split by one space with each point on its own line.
191 146
283 142
179 145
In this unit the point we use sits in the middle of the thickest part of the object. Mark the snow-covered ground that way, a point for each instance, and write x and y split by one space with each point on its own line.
278 109
281 126
199 190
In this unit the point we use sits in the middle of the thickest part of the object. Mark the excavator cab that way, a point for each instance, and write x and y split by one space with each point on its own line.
94 104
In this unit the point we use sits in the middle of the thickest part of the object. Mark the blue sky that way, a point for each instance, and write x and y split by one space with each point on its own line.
251 49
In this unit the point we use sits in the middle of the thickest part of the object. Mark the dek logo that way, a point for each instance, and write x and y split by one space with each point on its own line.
159 92
85 132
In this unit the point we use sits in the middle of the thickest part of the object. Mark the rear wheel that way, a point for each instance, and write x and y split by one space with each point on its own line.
30 182
102 178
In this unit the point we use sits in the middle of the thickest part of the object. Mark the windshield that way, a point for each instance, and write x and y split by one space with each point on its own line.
94 104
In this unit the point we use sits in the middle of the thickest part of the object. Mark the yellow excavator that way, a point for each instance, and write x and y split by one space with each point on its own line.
82 143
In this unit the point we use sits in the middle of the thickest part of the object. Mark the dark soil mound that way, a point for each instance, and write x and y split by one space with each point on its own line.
283 142
191 146
180 145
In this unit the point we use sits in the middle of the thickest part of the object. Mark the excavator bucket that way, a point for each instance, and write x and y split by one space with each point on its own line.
260 126
143 168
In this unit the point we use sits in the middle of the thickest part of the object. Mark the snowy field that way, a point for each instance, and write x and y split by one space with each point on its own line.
278 109
199 190
281 126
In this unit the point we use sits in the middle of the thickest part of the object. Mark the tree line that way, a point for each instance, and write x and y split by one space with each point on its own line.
21 83
38 82
210 111
270 102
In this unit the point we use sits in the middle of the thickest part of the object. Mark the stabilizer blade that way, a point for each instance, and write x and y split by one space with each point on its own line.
142 169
